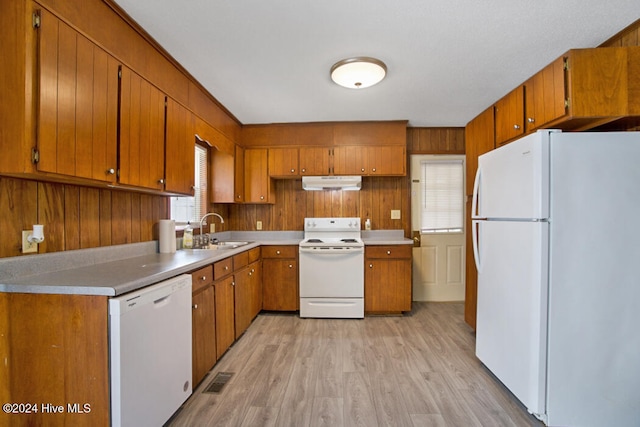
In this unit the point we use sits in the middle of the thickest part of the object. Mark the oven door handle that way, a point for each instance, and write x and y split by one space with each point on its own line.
331 251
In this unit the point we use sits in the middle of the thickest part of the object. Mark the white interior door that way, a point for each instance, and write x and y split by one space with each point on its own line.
439 262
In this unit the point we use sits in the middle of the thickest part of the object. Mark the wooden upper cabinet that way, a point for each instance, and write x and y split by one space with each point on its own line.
180 148
239 175
369 160
257 183
350 160
544 95
314 161
142 138
479 138
509 116
78 104
283 162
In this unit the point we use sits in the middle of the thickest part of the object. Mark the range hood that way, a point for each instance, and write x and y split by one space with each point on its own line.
314 183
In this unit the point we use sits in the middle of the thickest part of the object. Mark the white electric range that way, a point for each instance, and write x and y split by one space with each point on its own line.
332 268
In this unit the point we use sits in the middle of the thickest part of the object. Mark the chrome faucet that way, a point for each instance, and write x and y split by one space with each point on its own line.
209 214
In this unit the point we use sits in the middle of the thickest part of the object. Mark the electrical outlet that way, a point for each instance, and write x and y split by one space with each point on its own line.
28 247
212 228
258 225
395 213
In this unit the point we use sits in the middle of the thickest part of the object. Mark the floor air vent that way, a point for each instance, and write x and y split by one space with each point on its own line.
218 382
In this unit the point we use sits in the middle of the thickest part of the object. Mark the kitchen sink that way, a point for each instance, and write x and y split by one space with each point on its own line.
231 244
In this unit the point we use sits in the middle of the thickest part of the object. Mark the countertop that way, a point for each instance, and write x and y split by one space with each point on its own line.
116 270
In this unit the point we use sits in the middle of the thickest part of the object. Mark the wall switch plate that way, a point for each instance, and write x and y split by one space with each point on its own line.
395 213
258 225
27 247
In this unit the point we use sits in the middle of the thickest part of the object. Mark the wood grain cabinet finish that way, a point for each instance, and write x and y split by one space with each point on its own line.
314 161
387 279
479 139
280 277
283 162
225 323
203 317
544 95
509 116
179 153
142 137
77 104
247 296
257 183
369 160
239 175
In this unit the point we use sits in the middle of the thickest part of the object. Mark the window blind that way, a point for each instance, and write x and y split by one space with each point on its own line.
442 196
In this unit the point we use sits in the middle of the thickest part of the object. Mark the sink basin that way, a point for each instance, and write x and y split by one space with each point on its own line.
221 245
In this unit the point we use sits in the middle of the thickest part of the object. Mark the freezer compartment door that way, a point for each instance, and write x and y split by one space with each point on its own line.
512 306
513 181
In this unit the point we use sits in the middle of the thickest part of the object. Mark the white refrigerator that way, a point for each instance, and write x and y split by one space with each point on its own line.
557 248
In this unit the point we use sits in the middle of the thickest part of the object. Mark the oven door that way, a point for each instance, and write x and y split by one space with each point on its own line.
331 272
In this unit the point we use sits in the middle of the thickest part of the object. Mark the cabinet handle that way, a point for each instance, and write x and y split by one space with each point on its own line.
195 307
161 181
293 170
239 197
111 171
388 252
203 278
374 169
370 265
226 267
250 273
362 170
253 270
290 266
531 120
277 252
261 197
233 283
304 170
516 126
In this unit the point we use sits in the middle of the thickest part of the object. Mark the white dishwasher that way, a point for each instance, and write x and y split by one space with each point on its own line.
150 352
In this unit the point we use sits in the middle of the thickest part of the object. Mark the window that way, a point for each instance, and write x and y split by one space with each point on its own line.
442 196
191 209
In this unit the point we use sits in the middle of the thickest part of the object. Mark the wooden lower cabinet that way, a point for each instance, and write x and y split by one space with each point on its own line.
247 296
203 332
387 279
280 276
55 349
225 326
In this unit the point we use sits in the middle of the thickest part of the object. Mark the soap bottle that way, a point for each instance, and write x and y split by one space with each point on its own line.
367 224
187 237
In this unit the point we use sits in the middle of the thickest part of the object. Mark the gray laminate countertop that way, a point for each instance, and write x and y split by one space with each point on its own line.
115 270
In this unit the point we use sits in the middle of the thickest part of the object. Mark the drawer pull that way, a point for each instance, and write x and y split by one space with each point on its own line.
203 278
290 266
195 307
388 252
370 265
226 267
277 252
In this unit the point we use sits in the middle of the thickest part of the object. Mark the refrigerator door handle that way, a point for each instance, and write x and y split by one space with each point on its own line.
474 199
474 237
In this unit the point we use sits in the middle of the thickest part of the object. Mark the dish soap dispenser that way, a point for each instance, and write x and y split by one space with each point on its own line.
367 224
187 237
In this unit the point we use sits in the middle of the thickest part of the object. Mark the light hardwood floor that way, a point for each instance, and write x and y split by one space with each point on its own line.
415 370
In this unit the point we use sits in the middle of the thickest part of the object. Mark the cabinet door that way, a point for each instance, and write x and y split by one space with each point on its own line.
387 285
471 275
256 288
314 161
280 288
283 162
479 139
257 183
78 104
239 175
386 160
545 96
509 116
350 160
180 147
225 326
242 300
204 333
142 139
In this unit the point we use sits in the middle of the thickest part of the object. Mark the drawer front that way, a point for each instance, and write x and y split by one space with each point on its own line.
389 251
254 254
288 251
241 260
223 268
201 278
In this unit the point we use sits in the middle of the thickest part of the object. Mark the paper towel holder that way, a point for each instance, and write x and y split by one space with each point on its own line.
37 235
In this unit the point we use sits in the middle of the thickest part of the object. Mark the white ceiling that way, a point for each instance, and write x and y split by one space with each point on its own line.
447 60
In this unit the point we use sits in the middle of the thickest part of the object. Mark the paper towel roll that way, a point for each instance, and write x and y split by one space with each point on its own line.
167 236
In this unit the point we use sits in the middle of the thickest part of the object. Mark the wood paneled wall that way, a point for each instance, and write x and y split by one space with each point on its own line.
445 140
630 36
75 217
376 199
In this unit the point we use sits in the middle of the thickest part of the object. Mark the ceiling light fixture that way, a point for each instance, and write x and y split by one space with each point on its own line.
358 73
